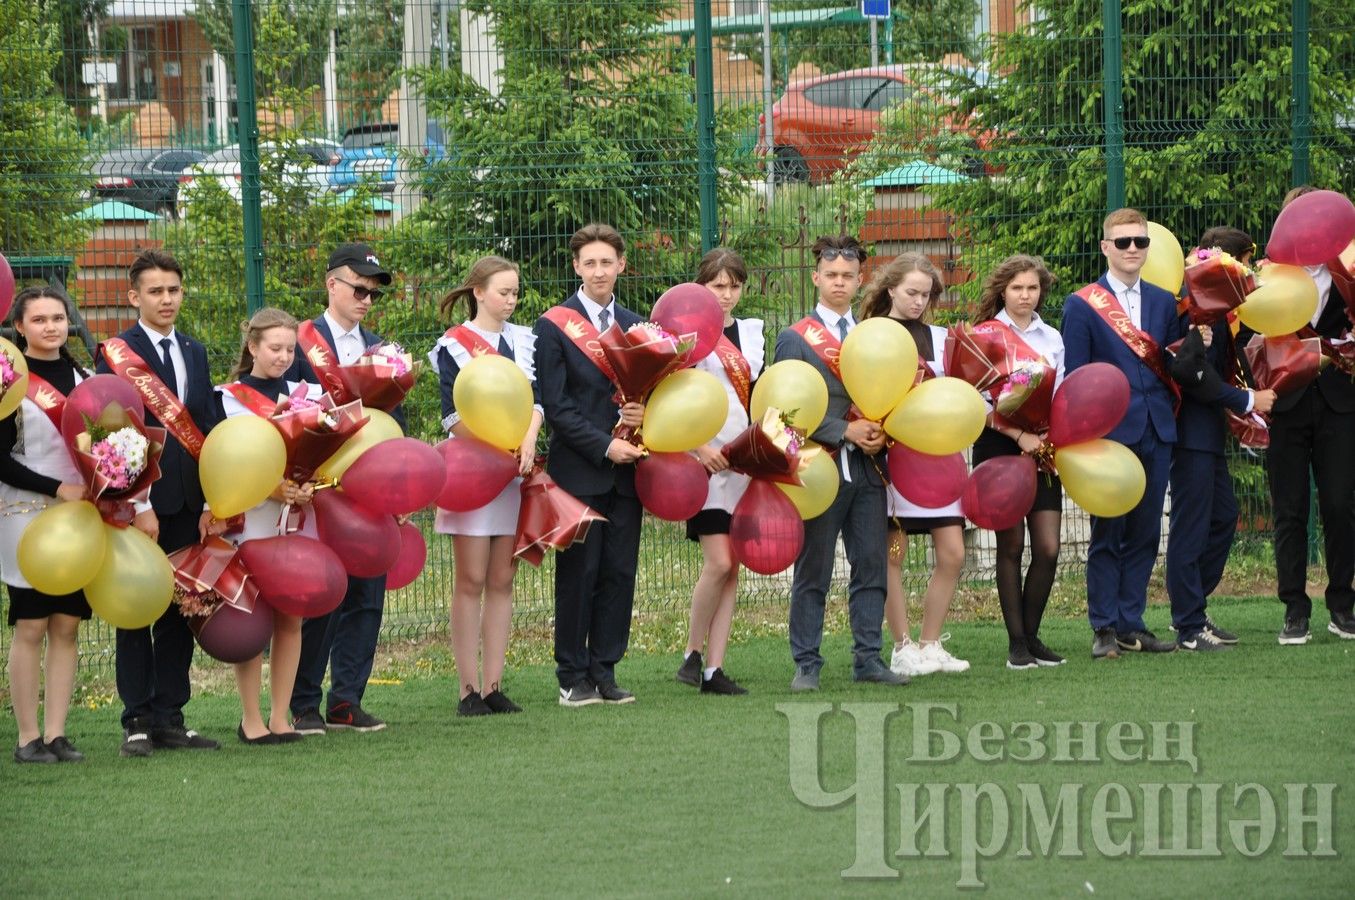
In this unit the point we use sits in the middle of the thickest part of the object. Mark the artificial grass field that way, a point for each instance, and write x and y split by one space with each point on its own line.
686 795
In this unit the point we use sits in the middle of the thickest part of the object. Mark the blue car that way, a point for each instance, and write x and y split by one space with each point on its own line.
373 152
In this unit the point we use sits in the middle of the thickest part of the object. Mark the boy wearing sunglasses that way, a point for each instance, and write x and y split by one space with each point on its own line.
1127 322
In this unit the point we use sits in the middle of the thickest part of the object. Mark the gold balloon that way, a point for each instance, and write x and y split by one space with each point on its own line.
62 548
494 399
135 584
794 387
1103 477
15 395
241 463
380 427
1283 302
940 416
820 484
686 410
1166 262
879 360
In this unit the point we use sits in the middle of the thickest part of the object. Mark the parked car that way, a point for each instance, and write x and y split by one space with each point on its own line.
820 123
373 151
144 177
313 171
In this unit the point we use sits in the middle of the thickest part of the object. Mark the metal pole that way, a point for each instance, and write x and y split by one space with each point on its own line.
768 126
1113 102
1301 114
889 41
705 127
874 42
248 114
413 126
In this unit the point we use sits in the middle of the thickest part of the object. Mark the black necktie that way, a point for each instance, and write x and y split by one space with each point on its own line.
505 349
165 344
604 318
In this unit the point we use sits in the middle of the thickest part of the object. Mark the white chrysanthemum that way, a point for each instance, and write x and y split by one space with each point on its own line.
131 445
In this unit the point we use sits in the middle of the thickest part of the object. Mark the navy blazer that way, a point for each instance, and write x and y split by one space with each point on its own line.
177 489
1087 339
577 399
301 369
1201 424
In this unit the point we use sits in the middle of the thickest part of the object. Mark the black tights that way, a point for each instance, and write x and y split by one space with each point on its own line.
1023 606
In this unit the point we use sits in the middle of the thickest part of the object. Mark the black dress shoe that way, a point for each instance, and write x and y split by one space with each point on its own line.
64 750
498 702
1143 642
260 741
610 693
176 737
473 705
35 751
690 671
1104 645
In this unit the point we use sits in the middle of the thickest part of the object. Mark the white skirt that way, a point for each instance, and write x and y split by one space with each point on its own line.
497 517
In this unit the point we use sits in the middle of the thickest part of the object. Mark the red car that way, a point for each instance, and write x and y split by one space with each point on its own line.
820 123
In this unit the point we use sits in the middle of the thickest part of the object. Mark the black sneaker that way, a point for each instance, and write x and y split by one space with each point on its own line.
473 705
35 751
1104 645
610 693
1223 635
352 717
176 737
1020 657
1143 642
720 683
1202 641
1295 631
1342 625
136 740
1043 655
309 722
64 750
581 694
498 702
690 672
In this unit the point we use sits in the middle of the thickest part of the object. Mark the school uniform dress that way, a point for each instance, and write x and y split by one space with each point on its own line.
1046 341
34 462
725 488
448 356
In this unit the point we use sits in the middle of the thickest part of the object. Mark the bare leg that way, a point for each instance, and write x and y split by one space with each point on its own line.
496 623
61 662
708 592
948 543
25 675
719 558
249 681
472 572
896 604
282 663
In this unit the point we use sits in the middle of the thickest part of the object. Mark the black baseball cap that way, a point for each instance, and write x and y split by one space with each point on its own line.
361 259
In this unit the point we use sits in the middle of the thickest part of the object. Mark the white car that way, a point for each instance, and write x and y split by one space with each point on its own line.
313 171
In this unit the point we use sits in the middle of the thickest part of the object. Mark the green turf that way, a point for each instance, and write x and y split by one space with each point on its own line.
686 795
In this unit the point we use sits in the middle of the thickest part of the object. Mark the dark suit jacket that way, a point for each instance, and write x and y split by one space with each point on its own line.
301 368
1205 392
177 488
580 410
1336 388
1088 339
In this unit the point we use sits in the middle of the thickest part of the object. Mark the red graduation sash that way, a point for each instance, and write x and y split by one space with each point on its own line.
474 344
252 400
324 361
824 343
581 332
163 403
47 398
1104 304
736 367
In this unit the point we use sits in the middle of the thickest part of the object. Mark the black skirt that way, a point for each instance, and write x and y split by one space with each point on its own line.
708 521
1048 488
28 603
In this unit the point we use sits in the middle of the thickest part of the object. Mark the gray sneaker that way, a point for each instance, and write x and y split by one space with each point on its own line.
805 680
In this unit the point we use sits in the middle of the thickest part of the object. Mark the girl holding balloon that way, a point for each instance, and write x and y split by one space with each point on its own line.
483 539
724 273
1012 295
36 470
905 290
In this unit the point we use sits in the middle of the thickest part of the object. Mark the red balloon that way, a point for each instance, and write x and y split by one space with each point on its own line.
1312 229
928 481
232 635
1088 405
691 308
6 287
766 532
296 575
396 477
672 486
367 542
92 396
476 473
1000 492
413 554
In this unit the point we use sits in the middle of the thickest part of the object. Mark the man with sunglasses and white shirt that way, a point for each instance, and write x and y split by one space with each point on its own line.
1127 322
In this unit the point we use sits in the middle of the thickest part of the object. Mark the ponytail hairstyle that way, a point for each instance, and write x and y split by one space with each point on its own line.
252 332
44 292
992 298
484 268
877 302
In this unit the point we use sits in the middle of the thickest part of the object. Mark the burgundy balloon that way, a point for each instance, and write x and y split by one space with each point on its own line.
296 575
92 396
766 532
367 542
396 477
1089 403
232 635
672 486
1312 229
928 481
691 308
475 473
1000 492
413 554
6 287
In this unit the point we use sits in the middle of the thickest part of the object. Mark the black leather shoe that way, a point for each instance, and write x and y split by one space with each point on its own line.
64 750
690 672
612 694
35 751
1143 642
1104 645
1342 625
176 737
288 737
260 741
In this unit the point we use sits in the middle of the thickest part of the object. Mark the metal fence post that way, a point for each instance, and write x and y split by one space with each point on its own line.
1112 87
1301 113
705 128
248 115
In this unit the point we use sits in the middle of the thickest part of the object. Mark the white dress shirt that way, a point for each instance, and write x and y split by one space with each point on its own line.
1130 297
348 345
175 354
591 307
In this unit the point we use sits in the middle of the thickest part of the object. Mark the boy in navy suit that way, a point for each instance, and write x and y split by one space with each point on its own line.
1127 322
152 663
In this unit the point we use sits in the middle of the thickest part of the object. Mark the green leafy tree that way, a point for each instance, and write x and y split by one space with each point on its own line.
371 37
313 20
76 19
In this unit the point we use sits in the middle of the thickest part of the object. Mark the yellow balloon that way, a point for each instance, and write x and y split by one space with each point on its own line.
820 485
494 399
1103 477
686 410
15 395
1283 302
380 427
62 548
940 416
1166 263
135 584
879 359
241 463
794 387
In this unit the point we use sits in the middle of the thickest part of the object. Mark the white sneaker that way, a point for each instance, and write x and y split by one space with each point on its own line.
936 659
905 659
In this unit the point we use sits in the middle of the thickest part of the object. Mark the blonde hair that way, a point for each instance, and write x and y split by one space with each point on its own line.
483 269
252 332
877 302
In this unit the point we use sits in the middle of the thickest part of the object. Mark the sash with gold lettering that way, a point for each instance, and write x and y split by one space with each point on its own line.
474 344
580 330
47 398
324 361
736 368
163 403
824 343
1104 304
252 400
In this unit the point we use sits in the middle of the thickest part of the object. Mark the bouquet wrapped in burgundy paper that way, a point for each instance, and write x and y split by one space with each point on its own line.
1283 364
770 449
924 373
381 376
314 430
550 518
210 574
1018 380
1216 283
119 457
1250 429
642 356
1343 277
